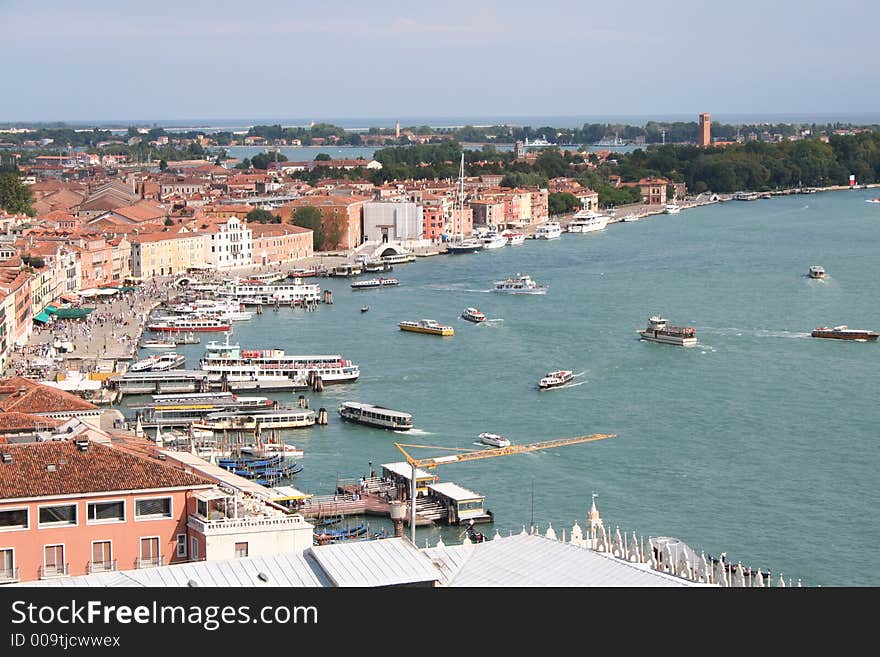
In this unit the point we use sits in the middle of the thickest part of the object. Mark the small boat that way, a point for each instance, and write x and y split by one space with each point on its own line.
374 283
844 333
872 200
493 240
364 309
470 245
816 272
555 379
494 439
513 238
587 221
427 326
659 331
671 208
519 284
376 416
473 315
549 230
630 217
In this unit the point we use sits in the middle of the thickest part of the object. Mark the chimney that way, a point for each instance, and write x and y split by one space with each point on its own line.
21 391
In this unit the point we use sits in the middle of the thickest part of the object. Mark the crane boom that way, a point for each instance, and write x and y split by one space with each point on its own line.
473 455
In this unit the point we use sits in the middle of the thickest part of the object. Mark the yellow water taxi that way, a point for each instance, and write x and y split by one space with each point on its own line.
427 326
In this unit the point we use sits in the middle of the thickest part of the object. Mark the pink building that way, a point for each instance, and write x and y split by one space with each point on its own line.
77 507
279 243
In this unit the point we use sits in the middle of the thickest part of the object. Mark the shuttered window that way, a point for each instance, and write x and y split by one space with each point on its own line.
159 507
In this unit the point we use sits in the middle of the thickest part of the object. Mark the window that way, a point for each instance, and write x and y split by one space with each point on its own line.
149 552
194 548
102 556
64 514
181 545
14 519
105 511
150 509
53 560
241 550
7 564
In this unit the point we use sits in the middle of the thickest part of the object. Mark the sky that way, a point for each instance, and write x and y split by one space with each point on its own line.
223 59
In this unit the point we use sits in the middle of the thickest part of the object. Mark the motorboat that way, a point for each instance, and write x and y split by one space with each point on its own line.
493 240
376 416
513 238
519 284
364 309
494 439
555 379
659 330
844 333
158 343
549 230
469 245
473 315
816 271
427 326
587 221
630 217
158 363
671 208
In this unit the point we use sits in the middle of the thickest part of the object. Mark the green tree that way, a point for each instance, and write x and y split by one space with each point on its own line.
14 195
262 160
310 218
244 164
261 216
163 165
561 203
322 157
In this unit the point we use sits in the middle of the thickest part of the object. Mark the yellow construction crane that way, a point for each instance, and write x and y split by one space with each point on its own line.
463 455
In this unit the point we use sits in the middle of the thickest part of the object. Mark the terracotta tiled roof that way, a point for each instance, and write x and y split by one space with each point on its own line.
21 395
98 469
25 421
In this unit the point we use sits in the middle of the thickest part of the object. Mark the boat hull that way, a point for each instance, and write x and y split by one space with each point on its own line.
430 331
187 329
538 291
652 336
376 424
868 336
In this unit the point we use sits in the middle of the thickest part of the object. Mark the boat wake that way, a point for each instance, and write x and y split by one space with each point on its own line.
452 288
492 322
757 333
416 432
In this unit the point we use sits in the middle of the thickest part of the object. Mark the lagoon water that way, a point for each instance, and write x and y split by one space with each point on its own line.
760 440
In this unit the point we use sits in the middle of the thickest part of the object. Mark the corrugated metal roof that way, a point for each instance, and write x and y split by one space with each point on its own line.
527 560
290 570
404 470
383 562
449 559
454 491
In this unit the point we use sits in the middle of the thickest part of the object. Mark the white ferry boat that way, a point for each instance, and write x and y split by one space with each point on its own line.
252 293
473 315
659 331
158 343
587 221
671 208
494 439
493 240
519 285
513 238
372 283
376 416
816 271
548 231
231 310
186 323
232 363
259 420
426 326
158 363
555 379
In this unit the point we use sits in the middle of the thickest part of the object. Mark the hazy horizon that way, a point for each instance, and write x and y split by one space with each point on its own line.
382 60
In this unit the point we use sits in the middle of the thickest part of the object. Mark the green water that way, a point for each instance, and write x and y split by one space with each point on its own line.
760 441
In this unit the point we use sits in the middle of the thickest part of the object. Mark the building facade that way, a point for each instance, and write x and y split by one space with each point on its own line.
229 244
390 221
280 243
166 254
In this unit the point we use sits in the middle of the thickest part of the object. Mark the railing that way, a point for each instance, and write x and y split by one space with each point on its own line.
102 566
8 575
150 562
60 570
246 523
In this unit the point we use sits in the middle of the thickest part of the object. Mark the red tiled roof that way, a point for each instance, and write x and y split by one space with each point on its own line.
18 394
98 469
25 421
